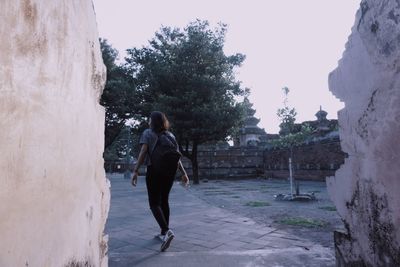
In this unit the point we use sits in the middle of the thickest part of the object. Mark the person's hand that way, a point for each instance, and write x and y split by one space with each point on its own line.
134 178
185 180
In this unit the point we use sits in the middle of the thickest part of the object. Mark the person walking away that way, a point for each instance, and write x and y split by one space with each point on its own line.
160 153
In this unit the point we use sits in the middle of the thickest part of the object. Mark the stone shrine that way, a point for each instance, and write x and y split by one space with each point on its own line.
251 134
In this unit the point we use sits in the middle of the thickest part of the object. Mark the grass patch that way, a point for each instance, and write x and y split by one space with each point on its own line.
280 187
328 208
222 193
257 204
302 222
247 189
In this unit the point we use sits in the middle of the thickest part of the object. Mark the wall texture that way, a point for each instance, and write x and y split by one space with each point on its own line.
366 188
54 195
314 160
311 161
234 162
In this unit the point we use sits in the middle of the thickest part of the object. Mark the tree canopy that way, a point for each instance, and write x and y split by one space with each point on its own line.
186 74
119 95
289 138
286 114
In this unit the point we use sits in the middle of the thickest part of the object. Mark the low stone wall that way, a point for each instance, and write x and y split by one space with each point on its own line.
312 161
228 163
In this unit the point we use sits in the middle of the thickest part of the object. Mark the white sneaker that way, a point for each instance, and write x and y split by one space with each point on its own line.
160 237
167 240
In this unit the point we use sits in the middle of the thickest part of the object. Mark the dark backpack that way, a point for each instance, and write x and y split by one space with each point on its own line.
165 155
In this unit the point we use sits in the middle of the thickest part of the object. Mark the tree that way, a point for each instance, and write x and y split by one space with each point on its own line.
186 74
286 114
127 142
118 96
292 140
289 139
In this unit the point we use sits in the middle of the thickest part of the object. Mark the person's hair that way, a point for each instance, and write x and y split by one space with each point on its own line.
159 121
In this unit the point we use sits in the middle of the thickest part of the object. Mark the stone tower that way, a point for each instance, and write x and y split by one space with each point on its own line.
250 133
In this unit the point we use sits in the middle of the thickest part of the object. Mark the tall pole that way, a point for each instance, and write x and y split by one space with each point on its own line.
127 174
291 177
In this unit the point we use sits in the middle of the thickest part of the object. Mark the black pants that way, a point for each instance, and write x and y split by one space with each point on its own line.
158 188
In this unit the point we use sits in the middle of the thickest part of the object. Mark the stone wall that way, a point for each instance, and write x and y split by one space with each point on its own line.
366 188
311 161
53 191
228 163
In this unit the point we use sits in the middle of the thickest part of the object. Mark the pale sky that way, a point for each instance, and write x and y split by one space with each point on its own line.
286 42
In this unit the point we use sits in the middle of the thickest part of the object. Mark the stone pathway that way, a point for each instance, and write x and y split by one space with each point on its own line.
205 235
254 198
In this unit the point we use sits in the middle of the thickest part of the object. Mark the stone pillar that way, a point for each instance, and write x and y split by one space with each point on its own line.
366 189
54 195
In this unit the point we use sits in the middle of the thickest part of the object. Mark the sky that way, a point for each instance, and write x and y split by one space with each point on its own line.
286 42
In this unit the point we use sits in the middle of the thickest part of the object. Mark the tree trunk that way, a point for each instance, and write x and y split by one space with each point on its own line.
195 166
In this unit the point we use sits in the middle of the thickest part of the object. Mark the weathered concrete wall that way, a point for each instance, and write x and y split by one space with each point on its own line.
54 195
366 188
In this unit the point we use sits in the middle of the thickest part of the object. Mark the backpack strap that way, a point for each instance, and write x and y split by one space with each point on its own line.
158 136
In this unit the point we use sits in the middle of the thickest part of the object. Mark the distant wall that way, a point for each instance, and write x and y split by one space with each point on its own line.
228 163
311 161
54 195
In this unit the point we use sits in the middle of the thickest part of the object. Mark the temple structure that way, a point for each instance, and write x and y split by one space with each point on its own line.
251 134
321 126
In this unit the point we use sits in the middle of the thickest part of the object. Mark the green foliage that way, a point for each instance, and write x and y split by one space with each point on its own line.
186 74
302 222
286 115
126 142
328 208
110 56
118 96
246 110
292 139
257 204
336 128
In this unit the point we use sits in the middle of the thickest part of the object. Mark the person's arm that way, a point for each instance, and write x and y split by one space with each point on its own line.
181 168
142 155
185 178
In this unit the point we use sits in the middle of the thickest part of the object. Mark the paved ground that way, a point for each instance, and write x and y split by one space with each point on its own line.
254 198
206 235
